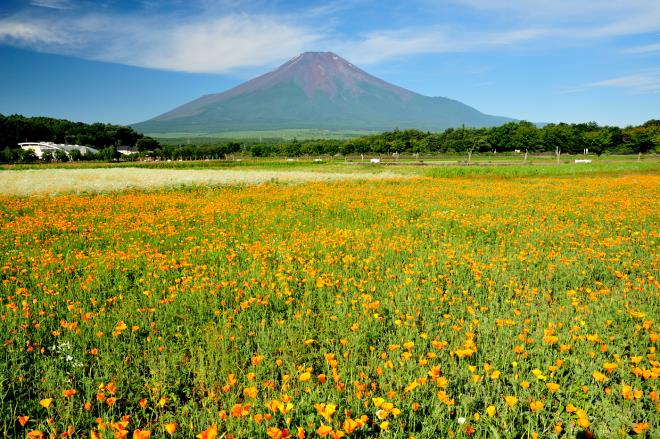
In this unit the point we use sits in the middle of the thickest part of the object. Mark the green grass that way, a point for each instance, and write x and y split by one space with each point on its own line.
266 135
549 170
431 166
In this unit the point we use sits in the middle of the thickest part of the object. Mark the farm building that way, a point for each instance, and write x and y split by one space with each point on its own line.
127 150
40 148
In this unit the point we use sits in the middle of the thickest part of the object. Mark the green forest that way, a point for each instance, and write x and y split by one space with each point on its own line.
15 129
519 136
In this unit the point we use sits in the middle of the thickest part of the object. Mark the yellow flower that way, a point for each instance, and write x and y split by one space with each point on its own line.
209 433
552 387
583 422
141 434
325 410
276 433
46 402
350 425
639 427
387 406
170 428
381 414
323 430
511 400
536 406
410 387
250 392
538 374
490 411
609 367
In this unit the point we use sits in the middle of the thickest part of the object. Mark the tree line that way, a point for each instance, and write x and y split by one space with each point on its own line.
521 136
514 136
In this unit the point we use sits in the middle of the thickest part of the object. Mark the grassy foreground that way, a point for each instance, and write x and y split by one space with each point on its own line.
426 307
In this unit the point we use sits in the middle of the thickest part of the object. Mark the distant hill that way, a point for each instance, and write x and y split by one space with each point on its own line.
317 90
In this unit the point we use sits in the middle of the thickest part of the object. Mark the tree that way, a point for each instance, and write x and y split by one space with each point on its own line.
560 137
526 137
9 155
27 156
47 157
75 155
597 141
61 156
257 150
293 148
639 140
234 147
147 144
108 154
501 137
361 146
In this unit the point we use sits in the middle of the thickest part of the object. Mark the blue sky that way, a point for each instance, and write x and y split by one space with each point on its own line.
127 61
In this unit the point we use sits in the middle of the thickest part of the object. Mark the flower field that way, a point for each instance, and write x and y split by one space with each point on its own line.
420 307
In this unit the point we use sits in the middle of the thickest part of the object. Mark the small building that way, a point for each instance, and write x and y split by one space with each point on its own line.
127 150
40 148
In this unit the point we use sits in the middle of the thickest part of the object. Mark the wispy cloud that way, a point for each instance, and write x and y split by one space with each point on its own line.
576 19
648 48
567 11
512 24
31 33
162 41
229 42
52 4
377 46
641 82
220 37
571 90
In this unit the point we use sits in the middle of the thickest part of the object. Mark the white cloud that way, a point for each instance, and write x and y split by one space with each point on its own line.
577 19
565 10
197 44
215 37
52 4
512 24
30 33
224 43
644 49
381 45
642 82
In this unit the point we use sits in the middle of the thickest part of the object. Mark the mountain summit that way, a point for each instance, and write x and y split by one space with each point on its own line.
317 90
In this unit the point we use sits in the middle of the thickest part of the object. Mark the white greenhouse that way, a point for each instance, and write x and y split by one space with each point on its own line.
40 148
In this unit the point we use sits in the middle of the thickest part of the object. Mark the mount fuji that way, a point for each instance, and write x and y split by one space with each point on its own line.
317 90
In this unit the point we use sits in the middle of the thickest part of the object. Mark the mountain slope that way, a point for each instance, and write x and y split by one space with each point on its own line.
316 90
